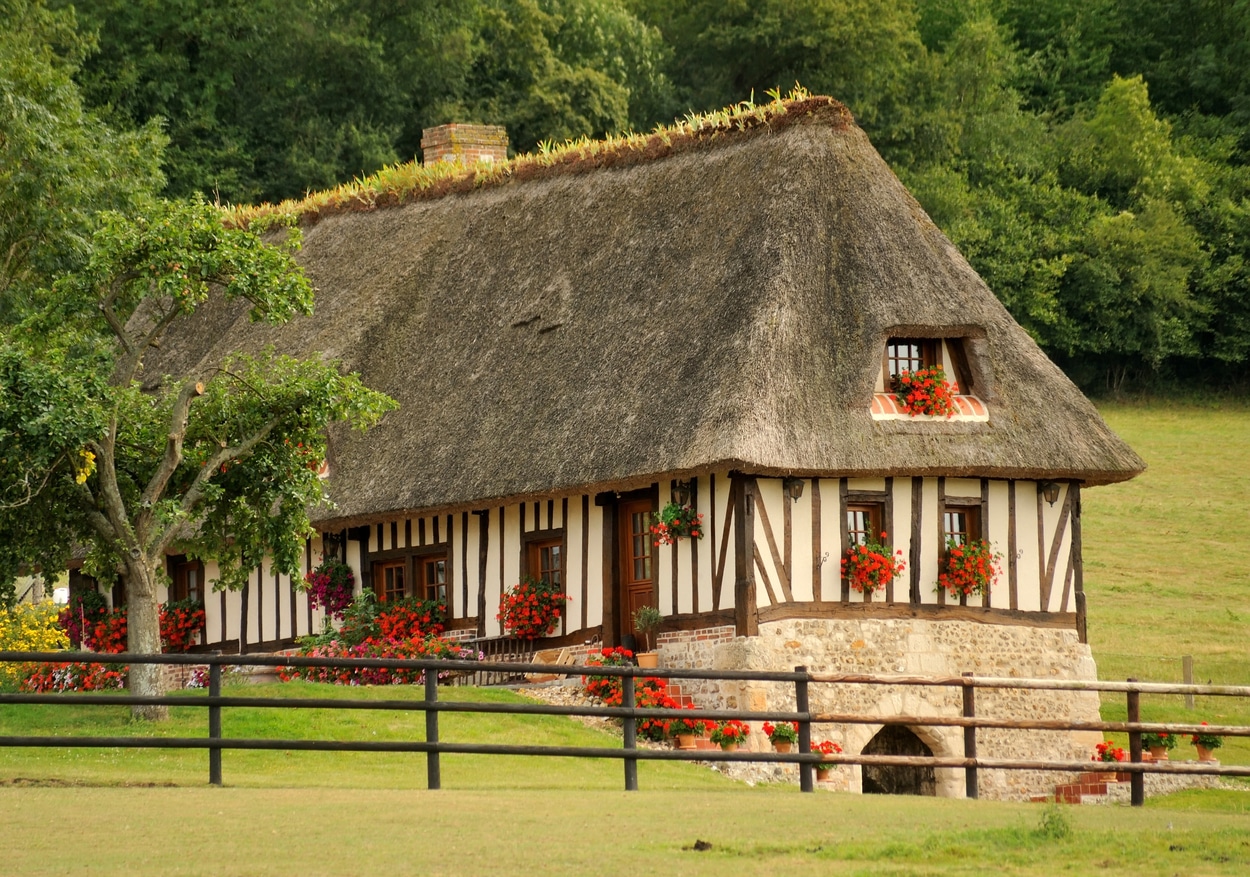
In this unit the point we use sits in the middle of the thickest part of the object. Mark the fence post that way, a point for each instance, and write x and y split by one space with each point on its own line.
970 739
631 733
1187 673
433 773
1137 781
806 781
214 725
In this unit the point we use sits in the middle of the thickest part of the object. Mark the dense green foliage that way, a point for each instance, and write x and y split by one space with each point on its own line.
1090 158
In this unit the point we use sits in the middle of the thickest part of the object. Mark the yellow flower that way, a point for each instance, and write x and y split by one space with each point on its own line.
83 470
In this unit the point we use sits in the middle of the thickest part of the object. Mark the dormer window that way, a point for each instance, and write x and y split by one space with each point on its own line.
914 354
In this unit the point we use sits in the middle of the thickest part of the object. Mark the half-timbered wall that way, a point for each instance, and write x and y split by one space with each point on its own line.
787 565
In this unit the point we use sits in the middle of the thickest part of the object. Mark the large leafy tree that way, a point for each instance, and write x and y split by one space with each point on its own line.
59 163
99 453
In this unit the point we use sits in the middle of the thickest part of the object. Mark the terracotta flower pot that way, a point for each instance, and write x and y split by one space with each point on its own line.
729 747
1159 753
1205 754
782 745
822 773
685 741
649 660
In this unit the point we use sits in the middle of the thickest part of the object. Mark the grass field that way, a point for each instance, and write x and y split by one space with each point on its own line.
1165 575
1166 568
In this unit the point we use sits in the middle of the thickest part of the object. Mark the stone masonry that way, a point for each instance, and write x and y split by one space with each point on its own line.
916 647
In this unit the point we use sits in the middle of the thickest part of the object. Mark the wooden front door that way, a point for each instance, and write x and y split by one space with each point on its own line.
637 567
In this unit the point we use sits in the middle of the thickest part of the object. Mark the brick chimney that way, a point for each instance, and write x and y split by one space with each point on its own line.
467 144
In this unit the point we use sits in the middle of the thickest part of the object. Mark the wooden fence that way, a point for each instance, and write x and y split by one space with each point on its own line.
802 680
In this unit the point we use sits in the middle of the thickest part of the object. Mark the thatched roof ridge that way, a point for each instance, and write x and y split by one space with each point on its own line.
413 181
724 307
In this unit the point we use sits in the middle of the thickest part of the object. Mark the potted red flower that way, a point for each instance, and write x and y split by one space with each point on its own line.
1206 745
870 567
676 522
825 748
782 735
685 730
730 734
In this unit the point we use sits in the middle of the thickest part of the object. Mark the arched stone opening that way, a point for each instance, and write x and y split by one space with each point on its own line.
891 779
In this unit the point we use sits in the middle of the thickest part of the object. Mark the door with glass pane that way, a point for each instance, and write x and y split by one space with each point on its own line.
637 566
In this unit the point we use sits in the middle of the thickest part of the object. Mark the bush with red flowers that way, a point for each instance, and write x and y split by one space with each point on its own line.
653 694
411 618
180 622
675 522
330 586
607 688
870 567
109 633
969 567
80 615
531 609
410 649
926 391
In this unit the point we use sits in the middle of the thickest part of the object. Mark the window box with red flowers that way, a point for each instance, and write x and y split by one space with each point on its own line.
676 522
968 568
532 608
870 567
926 391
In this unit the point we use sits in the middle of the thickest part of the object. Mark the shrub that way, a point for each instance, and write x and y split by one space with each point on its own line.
28 627
81 613
607 688
411 618
181 620
431 647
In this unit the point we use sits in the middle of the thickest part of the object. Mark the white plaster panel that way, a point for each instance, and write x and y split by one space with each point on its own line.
724 537
871 484
662 570
770 496
963 487
997 531
594 570
929 550
1028 571
708 546
900 535
801 584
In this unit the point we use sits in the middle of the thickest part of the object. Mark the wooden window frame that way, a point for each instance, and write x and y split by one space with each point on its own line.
532 544
929 349
972 512
380 565
421 587
177 566
876 515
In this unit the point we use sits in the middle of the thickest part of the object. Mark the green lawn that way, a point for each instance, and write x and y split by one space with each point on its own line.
212 832
1166 561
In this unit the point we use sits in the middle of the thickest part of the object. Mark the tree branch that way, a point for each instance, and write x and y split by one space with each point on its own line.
173 454
192 497
110 495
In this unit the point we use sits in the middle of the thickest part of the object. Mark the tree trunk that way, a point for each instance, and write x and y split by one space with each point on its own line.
143 631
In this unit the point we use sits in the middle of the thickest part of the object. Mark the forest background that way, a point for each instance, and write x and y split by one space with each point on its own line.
1091 158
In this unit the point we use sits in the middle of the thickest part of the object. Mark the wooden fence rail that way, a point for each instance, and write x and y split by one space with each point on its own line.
630 714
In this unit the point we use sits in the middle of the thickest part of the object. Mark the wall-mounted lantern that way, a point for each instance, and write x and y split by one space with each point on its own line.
1050 491
681 493
793 487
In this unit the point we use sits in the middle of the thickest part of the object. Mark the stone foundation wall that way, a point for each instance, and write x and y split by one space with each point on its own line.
911 646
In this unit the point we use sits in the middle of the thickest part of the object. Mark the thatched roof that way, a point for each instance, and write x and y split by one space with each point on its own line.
722 301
